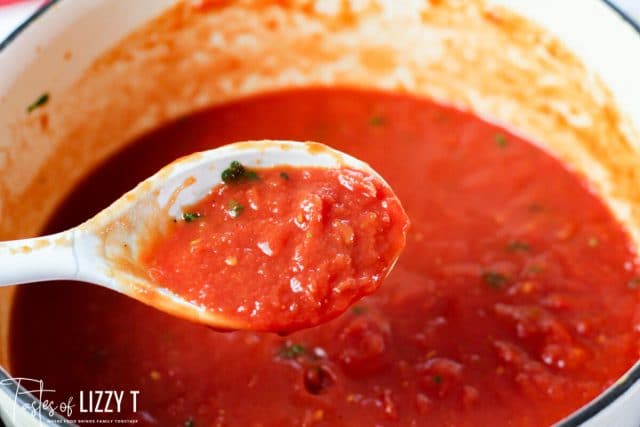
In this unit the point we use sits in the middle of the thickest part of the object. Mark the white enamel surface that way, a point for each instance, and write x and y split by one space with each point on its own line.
606 44
34 62
38 259
13 15
66 26
31 64
624 412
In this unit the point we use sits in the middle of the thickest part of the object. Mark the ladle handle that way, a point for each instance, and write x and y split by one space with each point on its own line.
35 260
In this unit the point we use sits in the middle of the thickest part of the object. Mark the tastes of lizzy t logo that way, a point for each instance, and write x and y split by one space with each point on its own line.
86 407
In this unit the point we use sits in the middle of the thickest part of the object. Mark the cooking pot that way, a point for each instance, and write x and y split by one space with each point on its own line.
564 74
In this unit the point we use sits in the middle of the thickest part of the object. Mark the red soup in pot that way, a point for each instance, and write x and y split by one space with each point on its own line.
514 302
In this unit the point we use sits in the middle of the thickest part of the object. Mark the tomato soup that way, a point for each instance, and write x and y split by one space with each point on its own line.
514 301
281 248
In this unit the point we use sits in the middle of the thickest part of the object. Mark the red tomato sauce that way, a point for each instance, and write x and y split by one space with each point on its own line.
514 302
283 248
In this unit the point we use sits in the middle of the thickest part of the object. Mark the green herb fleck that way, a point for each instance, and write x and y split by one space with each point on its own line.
292 351
358 310
251 176
284 176
43 99
235 209
634 283
376 121
437 379
518 246
190 423
191 216
494 279
500 139
593 242
236 172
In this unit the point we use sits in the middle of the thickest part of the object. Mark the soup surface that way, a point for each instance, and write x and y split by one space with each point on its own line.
513 304
281 249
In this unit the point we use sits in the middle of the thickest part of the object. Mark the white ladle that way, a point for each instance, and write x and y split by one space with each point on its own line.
104 250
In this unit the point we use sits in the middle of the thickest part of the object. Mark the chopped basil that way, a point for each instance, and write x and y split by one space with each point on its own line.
43 99
634 283
518 246
494 279
251 176
284 176
593 242
292 351
190 423
376 121
437 379
235 209
190 216
236 172
500 139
